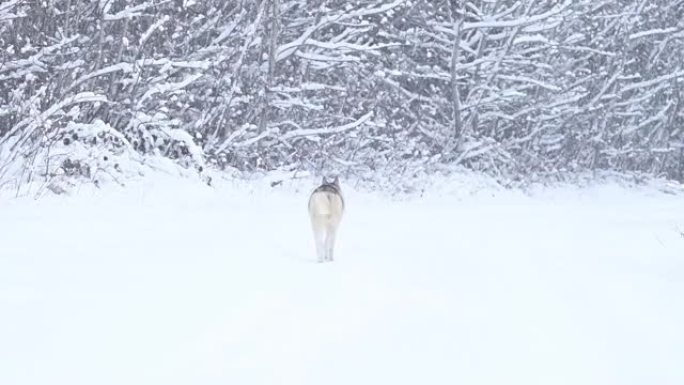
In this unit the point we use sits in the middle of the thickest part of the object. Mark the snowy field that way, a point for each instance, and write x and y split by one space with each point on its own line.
168 283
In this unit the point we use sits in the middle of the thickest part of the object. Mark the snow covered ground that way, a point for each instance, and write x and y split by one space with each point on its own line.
172 283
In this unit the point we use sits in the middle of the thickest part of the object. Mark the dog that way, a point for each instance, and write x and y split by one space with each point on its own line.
326 206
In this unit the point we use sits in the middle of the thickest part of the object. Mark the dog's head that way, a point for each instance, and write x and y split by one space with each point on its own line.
335 182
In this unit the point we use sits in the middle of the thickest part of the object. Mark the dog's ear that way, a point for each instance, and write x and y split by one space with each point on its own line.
336 182
324 181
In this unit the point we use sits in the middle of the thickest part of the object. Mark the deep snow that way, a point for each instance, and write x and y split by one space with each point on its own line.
173 283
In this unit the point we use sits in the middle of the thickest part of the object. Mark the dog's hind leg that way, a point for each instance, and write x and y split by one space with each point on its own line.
330 241
320 247
320 239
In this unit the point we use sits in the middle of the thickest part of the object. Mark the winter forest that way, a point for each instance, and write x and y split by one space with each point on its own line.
367 192
518 89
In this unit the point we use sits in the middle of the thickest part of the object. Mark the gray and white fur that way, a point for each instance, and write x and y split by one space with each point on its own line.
326 206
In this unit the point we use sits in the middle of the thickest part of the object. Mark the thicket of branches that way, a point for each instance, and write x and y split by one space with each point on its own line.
510 87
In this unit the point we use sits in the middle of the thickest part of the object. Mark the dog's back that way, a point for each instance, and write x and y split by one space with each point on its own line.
326 201
326 207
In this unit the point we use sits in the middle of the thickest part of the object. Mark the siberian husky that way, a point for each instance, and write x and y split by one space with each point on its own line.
326 206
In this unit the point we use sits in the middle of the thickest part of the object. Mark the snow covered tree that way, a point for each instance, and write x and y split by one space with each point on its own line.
515 88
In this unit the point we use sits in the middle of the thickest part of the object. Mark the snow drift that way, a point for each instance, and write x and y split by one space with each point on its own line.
176 283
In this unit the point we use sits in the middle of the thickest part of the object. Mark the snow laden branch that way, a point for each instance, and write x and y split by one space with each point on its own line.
27 126
273 132
157 24
520 22
13 69
651 32
652 82
127 13
326 131
286 50
7 10
137 66
168 87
